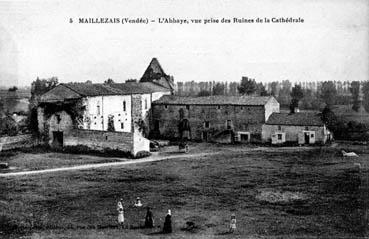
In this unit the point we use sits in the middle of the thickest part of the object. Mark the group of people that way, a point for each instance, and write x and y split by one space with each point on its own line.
149 219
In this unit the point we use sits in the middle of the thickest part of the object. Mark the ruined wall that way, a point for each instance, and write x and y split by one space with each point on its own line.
140 143
293 131
243 118
60 121
99 140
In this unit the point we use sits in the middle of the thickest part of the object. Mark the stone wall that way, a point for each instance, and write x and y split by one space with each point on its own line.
15 142
242 118
100 140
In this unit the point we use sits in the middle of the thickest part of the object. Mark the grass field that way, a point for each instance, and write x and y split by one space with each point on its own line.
20 161
276 193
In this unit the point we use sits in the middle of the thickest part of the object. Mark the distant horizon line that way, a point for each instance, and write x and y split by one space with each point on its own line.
6 86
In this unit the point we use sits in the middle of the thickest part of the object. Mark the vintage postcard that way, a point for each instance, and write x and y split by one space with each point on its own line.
184 119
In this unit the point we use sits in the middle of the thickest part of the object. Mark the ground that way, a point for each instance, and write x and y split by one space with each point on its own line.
274 192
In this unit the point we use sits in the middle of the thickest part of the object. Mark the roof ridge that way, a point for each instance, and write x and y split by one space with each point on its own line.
66 85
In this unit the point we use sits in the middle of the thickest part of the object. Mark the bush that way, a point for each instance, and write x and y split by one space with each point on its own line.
142 154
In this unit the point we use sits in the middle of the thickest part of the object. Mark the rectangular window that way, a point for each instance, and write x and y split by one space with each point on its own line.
207 124
145 104
229 124
279 127
187 107
98 110
124 105
279 136
166 106
122 125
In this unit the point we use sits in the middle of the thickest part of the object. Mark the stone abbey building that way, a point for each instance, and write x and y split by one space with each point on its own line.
212 118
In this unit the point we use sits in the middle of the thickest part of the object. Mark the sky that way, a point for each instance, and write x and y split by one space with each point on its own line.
38 40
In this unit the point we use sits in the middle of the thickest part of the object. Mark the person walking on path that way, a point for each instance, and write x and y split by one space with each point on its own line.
232 225
120 214
168 223
149 221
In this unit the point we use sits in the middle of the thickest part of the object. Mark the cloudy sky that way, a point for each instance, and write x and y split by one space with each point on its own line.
37 39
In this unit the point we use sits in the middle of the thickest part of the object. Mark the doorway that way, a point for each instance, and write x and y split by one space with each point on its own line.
205 136
58 139
307 137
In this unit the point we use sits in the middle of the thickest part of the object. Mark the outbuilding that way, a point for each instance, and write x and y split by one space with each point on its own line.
301 128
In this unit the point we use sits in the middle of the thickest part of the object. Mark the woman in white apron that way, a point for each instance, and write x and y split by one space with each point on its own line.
120 214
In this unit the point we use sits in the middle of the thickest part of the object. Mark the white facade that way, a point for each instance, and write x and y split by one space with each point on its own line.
118 108
100 108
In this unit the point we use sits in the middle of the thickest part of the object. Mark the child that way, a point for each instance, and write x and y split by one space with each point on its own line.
232 225
138 202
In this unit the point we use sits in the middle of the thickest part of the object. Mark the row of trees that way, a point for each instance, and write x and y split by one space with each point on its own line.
325 93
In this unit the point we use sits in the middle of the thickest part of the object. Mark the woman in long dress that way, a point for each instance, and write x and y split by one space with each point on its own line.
149 220
168 223
120 214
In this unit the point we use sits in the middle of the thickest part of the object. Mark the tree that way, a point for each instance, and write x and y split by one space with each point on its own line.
14 88
328 93
260 89
41 86
38 88
296 94
2 108
366 96
109 81
247 86
203 93
218 89
233 88
284 96
355 92
274 88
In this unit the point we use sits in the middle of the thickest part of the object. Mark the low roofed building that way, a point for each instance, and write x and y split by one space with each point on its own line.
300 128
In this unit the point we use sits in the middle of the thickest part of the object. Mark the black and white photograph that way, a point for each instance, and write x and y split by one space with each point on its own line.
184 119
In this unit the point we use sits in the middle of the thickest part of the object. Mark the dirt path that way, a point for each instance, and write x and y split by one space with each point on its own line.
155 157
152 158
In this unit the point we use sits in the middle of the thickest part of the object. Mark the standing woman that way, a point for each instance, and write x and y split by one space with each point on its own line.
120 214
168 223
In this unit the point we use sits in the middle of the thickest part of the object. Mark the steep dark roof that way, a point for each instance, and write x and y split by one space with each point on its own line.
153 71
298 119
79 90
213 100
